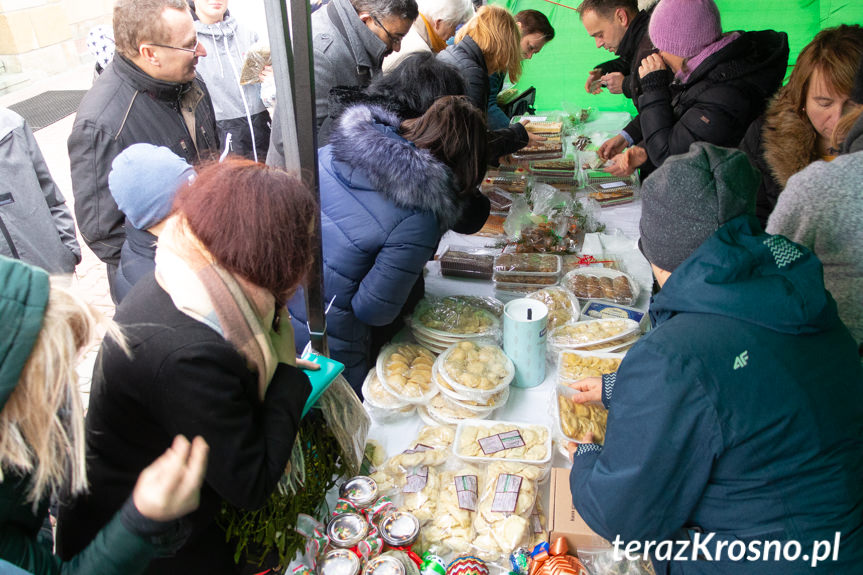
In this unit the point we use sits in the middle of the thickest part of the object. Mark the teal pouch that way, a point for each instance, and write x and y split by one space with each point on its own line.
322 378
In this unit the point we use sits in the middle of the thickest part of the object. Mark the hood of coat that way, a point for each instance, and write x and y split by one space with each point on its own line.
788 140
369 154
23 298
749 275
226 28
854 139
761 58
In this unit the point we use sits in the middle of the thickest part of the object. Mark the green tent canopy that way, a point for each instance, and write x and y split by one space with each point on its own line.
560 70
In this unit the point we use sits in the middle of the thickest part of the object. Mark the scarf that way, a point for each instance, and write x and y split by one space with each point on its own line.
237 310
435 43
693 63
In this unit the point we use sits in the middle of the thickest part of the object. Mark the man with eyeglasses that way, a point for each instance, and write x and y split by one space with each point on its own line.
148 94
351 39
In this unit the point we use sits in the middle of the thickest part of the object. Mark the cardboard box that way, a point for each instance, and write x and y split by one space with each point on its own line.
564 520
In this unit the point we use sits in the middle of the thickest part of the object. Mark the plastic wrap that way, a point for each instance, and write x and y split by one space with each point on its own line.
451 530
486 441
507 496
257 58
383 406
479 403
348 421
573 365
602 283
475 370
591 333
443 409
562 305
404 369
603 562
576 420
468 262
455 315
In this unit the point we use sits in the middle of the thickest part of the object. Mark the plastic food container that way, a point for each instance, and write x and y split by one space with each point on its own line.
612 193
468 262
601 283
591 333
480 406
412 383
448 317
383 406
561 167
526 265
573 364
575 420
505 282
466 391
500 200
443 409
515 183
491 440
562 305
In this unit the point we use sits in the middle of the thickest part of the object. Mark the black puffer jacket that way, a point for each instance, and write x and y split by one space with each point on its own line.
718 101
634 47
125 106
467 57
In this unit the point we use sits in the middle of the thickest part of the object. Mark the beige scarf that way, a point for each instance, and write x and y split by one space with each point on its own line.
237 310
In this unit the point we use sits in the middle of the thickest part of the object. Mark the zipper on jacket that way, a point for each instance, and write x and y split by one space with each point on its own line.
9 240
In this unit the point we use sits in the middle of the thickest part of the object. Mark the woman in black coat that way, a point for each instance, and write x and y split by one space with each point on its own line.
489 44
211 354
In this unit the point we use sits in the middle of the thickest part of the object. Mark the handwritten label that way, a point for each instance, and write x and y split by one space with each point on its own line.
416 479
466 490
506 493
501 441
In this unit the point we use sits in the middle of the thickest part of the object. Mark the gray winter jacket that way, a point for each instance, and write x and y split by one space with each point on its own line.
227 43
36 225
821 208
347 53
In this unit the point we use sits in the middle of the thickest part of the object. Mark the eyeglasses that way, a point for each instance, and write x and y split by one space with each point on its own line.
190 50
393 39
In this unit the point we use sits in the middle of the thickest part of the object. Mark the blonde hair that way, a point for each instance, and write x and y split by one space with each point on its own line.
42 423
495 32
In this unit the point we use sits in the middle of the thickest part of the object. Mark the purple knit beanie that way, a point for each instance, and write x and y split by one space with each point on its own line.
685 27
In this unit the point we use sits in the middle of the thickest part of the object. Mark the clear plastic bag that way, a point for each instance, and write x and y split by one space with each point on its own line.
452 527
562 305
257 58
348 421
603 562
458 315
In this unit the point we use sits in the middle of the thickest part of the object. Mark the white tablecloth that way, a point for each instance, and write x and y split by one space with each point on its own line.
532 405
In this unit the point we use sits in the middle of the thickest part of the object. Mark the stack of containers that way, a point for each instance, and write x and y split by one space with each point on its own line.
516 275
438 324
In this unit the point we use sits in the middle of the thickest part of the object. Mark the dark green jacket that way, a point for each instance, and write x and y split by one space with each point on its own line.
23 297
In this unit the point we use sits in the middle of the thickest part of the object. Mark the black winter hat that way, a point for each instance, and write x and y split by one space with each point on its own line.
691 196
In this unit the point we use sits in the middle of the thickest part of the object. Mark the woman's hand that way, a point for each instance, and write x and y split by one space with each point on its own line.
170 487
590 388
306 364
652 63
624 164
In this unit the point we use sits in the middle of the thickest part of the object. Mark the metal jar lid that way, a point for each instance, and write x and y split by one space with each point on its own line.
384 565
347 530
339 562
362 491
399 529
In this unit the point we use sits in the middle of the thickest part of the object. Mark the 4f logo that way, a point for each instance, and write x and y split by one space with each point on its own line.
741 360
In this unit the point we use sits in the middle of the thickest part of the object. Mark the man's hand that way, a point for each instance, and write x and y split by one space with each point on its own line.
614 82
590 388
170 487
592 86
611 147
624 164
652 63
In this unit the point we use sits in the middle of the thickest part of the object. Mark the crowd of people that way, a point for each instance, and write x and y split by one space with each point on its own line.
739 414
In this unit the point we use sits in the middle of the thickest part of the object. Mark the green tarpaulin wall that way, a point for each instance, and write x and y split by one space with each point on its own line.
560 70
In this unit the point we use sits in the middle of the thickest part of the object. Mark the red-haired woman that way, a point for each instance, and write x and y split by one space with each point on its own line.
212 354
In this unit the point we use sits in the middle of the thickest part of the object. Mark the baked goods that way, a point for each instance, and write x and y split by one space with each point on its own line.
405 371
468 262
542 238
454 315
482 367
503 440
565 165
544 127
573 365
560 304
591 332
579 419
527 263
607 284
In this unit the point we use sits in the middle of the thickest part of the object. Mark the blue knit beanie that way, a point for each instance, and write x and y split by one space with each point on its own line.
684 27
144 179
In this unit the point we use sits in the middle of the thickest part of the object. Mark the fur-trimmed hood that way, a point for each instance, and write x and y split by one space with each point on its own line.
366 142
789 140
